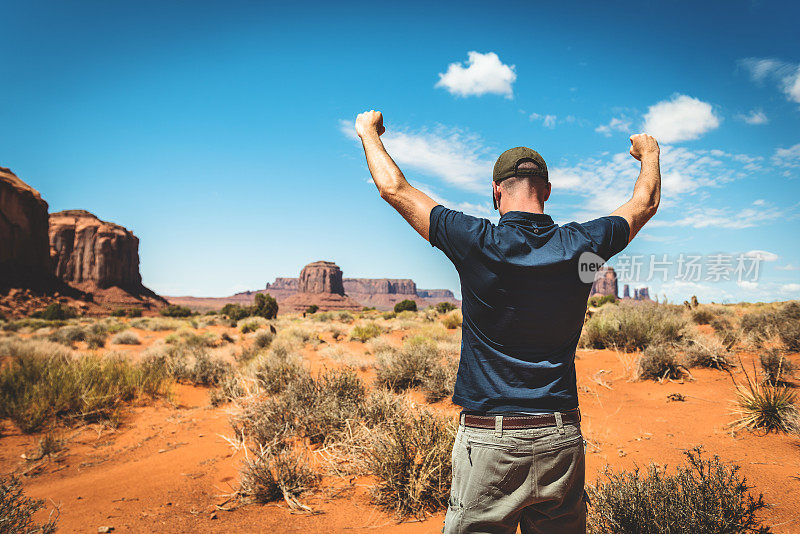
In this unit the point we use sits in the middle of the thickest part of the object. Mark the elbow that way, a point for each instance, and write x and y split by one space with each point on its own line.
388 192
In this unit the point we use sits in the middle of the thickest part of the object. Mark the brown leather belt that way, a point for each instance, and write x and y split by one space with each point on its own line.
516 422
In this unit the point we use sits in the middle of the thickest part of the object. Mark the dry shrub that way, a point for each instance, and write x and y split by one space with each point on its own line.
702 316
324 407
659 362
157 324
452 320
703 497
634 326
263 340
708 352
17 510
383 405
407 367
365 332
776 366
270 475
126 338
275 371
439 383
782 322
411 457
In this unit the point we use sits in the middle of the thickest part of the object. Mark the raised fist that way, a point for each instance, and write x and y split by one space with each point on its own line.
369 122
644 145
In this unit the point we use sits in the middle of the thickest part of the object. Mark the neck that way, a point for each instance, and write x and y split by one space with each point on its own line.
531 205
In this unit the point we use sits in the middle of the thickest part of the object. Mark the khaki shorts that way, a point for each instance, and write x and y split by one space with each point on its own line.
531 478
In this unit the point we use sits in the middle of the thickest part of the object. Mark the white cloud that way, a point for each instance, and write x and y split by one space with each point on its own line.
454 156
682 118
607 182
704 217
621 124
755 117
790 288
788 267
787 157
548 121
748 285
785 74
484 73
762 255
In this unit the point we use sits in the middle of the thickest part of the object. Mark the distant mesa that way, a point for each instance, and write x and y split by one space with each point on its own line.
70 257
322 283
605 283
98 257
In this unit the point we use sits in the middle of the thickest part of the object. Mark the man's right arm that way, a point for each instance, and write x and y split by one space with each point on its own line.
647 191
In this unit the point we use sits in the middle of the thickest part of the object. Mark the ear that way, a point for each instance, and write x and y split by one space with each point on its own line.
547 192
495 195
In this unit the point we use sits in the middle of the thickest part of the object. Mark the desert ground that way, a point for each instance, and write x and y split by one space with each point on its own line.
282 425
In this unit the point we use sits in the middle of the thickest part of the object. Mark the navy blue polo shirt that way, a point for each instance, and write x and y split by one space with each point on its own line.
523 304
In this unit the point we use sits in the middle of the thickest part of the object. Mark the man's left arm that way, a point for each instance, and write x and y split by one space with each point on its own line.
414 205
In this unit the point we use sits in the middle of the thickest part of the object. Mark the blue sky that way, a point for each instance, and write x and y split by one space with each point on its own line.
219 132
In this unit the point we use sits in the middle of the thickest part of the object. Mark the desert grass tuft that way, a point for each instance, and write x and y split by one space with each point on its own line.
765 406
634 326
35 389
269 476
366 331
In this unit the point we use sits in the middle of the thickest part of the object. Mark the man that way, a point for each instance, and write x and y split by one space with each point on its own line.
518 458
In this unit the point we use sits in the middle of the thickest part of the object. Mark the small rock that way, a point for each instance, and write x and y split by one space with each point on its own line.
100 530
622 453
214 515
162 450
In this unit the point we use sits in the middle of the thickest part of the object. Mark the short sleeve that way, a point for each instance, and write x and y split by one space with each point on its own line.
454 232
611 234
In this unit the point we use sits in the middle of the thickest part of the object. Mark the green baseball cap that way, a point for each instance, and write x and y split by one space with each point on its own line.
508 164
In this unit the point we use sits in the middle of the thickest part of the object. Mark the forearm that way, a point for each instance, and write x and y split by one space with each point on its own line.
386 174
647 191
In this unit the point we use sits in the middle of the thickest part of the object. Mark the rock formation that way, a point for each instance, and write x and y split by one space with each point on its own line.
384 286
98 257
321 283
626 291
605 283
321 277
24 248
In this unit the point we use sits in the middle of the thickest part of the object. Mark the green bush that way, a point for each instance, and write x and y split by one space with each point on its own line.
265 306
311 310
55 312
235 312
405 305
17 510
134 312
174 310
119 312
703 497
444 307
634 326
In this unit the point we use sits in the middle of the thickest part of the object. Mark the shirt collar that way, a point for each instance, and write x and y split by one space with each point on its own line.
540 219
